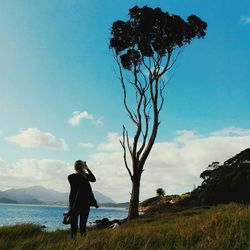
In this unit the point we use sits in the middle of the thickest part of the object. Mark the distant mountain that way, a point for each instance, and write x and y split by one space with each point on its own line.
101 198
5 200
46 195
20 196
41 195
119 205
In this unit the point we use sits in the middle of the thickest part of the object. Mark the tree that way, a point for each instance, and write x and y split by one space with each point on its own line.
160 192
145 48
229 182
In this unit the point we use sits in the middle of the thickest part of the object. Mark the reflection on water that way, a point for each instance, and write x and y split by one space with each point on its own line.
50 216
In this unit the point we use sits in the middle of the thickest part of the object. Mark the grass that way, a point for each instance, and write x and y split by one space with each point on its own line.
220 227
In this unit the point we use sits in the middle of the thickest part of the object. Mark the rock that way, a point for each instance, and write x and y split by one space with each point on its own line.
106 223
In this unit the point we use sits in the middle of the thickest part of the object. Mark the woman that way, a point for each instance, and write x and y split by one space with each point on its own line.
81 196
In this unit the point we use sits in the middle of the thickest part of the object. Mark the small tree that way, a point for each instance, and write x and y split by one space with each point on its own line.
145 48
160 192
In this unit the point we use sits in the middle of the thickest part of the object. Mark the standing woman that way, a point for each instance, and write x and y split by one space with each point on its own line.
81 196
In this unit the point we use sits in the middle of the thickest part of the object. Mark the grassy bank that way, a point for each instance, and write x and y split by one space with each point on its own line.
220 227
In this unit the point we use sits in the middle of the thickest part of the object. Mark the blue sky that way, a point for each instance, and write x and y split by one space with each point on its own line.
54 60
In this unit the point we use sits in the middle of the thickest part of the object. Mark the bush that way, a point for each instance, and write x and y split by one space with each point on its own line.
160 191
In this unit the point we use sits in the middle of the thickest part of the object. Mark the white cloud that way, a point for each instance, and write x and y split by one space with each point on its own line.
245 19
232 131
2 163
173 165
50 173
85 145
99 121
77 116
34 138
111 144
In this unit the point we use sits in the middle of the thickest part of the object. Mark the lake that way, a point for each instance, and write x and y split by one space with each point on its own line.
50 216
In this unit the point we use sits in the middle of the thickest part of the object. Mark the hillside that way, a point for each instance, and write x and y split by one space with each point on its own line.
5 200
225 183
118 205
224 227
19 196
155 202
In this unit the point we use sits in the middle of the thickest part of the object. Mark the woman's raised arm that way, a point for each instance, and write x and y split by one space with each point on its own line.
90 175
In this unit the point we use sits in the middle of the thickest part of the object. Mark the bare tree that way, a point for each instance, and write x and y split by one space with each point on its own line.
145 48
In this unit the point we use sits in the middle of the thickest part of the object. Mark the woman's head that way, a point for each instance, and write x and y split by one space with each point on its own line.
80 166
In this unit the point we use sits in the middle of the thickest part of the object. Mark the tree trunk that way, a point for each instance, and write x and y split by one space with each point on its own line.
134 200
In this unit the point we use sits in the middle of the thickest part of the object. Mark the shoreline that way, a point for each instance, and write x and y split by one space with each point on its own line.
61 206
51 216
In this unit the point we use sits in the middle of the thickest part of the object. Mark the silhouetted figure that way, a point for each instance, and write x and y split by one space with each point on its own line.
81 196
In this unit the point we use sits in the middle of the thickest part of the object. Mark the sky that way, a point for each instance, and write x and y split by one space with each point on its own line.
60 99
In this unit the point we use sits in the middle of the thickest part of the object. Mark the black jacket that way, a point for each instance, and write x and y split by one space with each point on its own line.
79 184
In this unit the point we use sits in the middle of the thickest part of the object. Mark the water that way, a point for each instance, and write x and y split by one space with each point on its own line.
50 216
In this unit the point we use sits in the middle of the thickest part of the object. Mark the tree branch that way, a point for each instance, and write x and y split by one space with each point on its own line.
146 117
123 144
132 117
165 68
139 124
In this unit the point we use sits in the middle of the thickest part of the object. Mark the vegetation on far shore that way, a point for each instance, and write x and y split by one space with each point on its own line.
218 227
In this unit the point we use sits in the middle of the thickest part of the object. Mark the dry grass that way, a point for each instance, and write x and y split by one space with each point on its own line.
220 227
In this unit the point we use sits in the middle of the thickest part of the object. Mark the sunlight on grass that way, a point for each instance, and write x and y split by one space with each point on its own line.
220 227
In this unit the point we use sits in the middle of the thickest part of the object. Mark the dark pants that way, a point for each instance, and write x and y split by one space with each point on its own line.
83 213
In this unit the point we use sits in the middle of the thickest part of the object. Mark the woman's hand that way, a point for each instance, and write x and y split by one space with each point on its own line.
84 166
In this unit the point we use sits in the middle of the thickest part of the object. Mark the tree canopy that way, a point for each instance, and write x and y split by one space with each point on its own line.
229 182
151 31
160 192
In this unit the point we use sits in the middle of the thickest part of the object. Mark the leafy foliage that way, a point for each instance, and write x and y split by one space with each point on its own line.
229 182
160 191
151 31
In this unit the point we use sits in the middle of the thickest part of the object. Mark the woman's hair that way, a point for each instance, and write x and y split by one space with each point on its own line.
79 164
